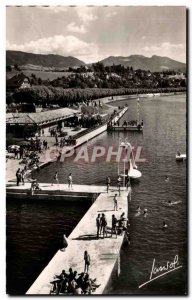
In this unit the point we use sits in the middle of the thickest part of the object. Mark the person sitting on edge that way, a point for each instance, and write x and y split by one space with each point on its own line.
123 221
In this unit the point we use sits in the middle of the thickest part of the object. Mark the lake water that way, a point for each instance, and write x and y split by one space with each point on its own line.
34 230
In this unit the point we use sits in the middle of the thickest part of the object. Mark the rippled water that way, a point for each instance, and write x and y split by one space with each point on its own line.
34 235
164 133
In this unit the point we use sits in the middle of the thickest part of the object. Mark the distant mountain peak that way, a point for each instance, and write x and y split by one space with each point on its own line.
154 63
45 60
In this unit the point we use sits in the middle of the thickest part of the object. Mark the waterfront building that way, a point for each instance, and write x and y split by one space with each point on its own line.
19 81
27 124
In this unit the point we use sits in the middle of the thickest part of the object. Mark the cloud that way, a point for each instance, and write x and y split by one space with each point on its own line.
143 38
164 46
151 48
54 9
168 45
111 14
71 27
62 45
86 14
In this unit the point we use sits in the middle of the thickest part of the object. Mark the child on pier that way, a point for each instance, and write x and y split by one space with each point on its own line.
55 178
87 261
115 202
108 183
70 181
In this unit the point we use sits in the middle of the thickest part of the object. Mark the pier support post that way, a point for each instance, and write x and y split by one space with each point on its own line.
118 265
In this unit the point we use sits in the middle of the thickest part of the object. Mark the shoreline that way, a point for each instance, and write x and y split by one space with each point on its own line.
109 109
143 95
45 159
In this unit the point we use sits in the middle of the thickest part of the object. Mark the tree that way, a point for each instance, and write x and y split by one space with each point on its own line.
17 67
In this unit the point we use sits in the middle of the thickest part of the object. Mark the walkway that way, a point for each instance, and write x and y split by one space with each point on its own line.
45 157
104 252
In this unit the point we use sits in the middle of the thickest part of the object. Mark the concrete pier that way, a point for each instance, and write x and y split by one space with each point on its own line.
104 252
120 115
53 192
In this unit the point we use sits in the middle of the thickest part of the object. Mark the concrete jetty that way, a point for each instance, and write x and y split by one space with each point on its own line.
104 252
120 115
53 192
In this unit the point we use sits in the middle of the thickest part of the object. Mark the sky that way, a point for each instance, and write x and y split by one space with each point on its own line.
94 33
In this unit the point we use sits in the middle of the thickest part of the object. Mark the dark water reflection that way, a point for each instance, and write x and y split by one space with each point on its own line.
34 235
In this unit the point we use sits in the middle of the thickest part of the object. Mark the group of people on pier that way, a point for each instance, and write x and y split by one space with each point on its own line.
126 123
119 184
72 283
20 176
118 226
70 180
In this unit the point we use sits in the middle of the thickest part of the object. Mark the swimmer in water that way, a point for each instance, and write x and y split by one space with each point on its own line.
145 212
138 209
164 225
166 178
171 203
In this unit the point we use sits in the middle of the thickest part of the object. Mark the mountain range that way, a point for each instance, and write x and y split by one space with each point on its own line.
51 60
154 63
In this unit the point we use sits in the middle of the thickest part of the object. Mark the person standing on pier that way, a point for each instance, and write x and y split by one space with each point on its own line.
98 224
114 225
108 183
55 178
18 176
104 225
115 202
23 176
70 181
87 260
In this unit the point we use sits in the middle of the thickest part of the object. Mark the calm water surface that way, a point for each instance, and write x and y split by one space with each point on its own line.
33 231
